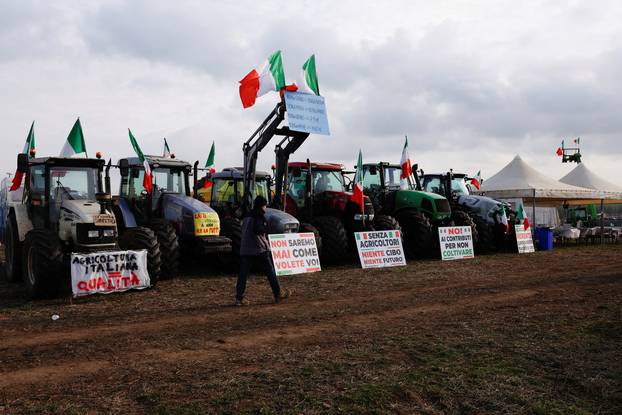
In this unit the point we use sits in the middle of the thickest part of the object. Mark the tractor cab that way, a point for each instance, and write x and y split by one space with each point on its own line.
320 189
228 188
383 183
441 184
66 196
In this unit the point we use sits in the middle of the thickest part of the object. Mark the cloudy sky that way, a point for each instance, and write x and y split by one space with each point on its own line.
472 83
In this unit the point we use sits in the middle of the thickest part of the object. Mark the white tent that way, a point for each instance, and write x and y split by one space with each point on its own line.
584 177
520 180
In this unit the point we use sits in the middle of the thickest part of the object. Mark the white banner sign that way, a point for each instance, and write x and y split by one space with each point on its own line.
294 253
456 242
107 272
379 249
523 239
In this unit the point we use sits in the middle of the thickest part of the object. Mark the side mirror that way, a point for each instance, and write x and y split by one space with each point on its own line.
373 170
22 162
135 173
296 172
124 167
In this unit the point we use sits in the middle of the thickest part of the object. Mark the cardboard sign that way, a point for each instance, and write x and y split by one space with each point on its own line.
107 272
456 242
294 253
306 113
379 249
524 241
206 224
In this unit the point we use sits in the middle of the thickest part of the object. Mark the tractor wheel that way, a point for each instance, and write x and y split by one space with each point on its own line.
42 263
461 218
417 234
12 251
386 223
307 227
169 248
334 239
485 236
231 227
144 238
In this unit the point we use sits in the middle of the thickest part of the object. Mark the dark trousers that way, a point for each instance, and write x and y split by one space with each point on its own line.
265 261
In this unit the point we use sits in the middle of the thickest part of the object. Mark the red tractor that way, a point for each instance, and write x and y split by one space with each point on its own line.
316 195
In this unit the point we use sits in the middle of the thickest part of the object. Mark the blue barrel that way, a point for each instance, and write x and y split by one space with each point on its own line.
544 236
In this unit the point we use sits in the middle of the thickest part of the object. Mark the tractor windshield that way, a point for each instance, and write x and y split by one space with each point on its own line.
458 186
230 190
392 176
168 180
73 183
328 180
434 184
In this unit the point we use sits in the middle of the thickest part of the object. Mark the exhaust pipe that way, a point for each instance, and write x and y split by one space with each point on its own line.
195 180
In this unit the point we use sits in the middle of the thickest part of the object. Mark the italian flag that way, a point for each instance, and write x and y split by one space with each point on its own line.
477 180
309 82
167 150
560 150
407 169
357 194
29 148
147 178
271 77
210 166
75 142
522 217
504 219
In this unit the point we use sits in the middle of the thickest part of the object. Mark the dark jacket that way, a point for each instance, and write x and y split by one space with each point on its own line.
254 234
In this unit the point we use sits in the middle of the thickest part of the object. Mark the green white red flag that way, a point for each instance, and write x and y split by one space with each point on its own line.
270 77
522 217
147 178
407 169
504 219
29 148
357 194
560 150
309 83
75 142
210 166
477 180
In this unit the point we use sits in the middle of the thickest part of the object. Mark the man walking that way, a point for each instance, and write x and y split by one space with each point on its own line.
255 245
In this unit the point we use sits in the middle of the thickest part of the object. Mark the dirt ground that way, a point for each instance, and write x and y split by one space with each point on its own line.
538 333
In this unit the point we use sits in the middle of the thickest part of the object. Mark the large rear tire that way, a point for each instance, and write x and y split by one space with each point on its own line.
461 218
42 264
169 248
12 251
385 223
307 227
144 238
417 234
334 239
485 237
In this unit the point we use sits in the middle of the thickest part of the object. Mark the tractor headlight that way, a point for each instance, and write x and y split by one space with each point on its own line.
93 234
109 233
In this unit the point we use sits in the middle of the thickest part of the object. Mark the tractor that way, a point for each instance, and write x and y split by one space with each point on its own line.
489 216
395 200
182 224
317 195
64 209
226 196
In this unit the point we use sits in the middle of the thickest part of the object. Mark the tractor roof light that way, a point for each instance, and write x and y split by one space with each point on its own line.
98 155
32 152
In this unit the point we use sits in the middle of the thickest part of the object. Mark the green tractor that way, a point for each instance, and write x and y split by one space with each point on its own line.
418 213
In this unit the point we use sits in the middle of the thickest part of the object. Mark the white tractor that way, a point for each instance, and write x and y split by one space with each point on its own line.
64 209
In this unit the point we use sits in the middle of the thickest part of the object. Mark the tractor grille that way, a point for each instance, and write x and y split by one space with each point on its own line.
442 205
83 230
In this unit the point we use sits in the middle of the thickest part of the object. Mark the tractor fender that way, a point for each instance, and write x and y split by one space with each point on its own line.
24 224
281 222
179 211
124 216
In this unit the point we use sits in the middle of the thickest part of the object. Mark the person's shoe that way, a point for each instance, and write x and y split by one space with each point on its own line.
285 293
242 302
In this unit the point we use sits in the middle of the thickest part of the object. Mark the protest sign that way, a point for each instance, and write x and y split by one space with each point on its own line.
206 224
379 249
306 113
456 242
524 241
294 253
